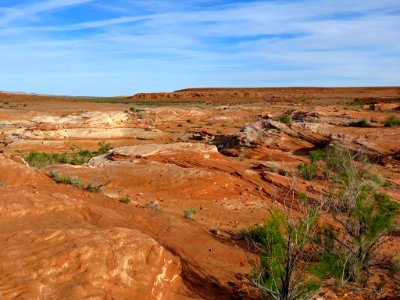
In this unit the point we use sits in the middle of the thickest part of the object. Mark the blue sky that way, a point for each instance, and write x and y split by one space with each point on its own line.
121 47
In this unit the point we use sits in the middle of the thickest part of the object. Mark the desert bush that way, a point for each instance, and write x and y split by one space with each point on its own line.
92 188
103 148
136 111
272 169
302 196
362 227
312 119
55 175
152 205
282 172
283 243
392 121
125 200
377 178
395 268
307 170
362 215
285 118
360 123
189 214
316 155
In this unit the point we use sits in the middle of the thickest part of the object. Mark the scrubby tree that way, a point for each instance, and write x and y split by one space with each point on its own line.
284 244
362 216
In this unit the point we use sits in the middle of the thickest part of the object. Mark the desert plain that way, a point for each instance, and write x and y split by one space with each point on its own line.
168 183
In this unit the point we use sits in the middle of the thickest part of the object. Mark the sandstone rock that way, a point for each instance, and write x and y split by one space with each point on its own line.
58 245
162 149
78 263
384 106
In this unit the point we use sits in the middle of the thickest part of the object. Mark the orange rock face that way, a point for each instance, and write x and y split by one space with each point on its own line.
55 244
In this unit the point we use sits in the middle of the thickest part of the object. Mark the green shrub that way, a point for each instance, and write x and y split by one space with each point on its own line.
282 172
316 155
282 243
308 170
376 178
363 215
329 265
302 196
392 121
136 111
103 148
272 169
189 214
395 268
125 200
92 188
363 226
285 118
360 123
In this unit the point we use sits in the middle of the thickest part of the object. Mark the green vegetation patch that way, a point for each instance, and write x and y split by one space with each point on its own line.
285 118
360 123
392 121
39 160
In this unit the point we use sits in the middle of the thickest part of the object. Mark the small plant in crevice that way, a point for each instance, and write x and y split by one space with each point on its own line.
285 118
125 200
189 214
75 181
302 196
395 267
103 148
308 171
92 188
316 155
282 172
241 158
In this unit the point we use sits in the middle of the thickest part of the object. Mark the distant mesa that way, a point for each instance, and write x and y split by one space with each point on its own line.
240 95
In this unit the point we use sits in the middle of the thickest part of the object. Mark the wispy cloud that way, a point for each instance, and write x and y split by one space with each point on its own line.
130 45
37 8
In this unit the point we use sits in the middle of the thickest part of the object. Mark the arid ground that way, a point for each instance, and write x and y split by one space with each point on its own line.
160 213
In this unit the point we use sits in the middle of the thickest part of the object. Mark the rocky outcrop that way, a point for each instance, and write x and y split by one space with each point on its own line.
59 245
89 125
301 134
